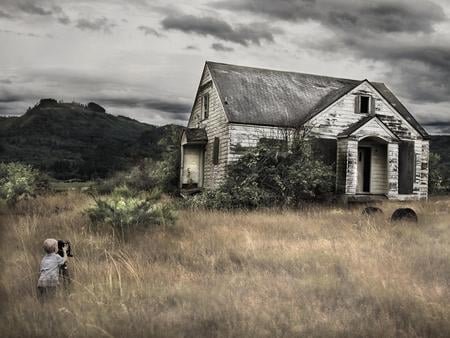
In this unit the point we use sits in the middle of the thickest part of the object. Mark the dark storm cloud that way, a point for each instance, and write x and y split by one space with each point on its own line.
10 96
149 31
32 35
375 16
5 15
176 109
14 9
422 70
221 48
31 7
98 24
211 26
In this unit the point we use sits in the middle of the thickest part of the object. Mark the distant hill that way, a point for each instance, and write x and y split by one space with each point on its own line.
75 141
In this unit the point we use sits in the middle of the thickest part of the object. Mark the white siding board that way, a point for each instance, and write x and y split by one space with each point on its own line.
341 114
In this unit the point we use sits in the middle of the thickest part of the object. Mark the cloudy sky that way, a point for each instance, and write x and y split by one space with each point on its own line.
143 58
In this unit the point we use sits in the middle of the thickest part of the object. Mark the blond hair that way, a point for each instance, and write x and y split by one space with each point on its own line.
50 245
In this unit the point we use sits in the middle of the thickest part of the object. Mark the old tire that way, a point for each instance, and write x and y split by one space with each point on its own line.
404 215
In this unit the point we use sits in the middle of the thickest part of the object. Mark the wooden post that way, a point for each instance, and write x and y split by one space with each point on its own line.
424 169
352 167
392 166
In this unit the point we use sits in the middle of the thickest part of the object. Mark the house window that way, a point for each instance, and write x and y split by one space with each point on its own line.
364 104
216 150
205 106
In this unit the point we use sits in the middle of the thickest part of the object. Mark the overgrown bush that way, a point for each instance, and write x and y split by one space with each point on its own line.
147 175
438 179
270 176
19 181
125 211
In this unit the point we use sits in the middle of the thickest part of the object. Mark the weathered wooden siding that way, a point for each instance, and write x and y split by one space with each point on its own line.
243 137
341 114
216 125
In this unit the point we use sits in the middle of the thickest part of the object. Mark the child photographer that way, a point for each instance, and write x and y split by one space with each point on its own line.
49 271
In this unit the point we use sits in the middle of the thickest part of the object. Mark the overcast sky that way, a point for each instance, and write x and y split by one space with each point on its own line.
143 58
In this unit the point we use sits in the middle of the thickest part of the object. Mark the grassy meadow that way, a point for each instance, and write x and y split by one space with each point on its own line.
318 272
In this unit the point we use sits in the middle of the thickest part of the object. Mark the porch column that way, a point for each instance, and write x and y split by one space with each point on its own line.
352 167
392 169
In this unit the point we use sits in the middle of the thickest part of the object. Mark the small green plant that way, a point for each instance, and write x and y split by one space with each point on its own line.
20 181
125 211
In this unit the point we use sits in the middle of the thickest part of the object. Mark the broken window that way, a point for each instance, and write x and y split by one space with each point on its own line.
205 106
364 105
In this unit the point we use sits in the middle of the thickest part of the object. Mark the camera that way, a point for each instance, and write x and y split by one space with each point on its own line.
64 269
61 244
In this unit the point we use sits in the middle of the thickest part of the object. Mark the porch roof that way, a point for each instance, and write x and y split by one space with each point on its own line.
195 136
355 127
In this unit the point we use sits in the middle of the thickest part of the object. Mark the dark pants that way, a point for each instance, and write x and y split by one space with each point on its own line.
45 293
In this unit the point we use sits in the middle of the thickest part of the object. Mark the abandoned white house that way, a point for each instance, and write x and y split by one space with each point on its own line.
378 148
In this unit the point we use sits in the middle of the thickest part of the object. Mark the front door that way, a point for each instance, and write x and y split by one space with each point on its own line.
192 167
364 164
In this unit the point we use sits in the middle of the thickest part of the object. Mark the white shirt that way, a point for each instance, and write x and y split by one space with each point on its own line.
50 270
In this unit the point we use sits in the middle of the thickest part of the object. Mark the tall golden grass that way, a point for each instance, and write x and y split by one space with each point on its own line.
322 272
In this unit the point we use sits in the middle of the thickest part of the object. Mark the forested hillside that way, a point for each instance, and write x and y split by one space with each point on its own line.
75 141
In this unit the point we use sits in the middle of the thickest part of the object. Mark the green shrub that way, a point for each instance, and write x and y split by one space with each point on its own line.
19 181
438 175
271 176
125 211
146 176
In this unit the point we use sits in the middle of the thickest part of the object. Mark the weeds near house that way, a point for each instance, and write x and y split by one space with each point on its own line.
319 272
126 211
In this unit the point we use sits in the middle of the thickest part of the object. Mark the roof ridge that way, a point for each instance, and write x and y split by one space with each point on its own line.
285 71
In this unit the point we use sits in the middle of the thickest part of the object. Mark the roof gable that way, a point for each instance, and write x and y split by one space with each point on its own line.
369 126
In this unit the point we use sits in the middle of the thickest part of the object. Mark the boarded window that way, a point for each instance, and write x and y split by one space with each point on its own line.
205 106
216 150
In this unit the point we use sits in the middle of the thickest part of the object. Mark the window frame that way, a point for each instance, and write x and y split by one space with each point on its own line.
205 106
369 98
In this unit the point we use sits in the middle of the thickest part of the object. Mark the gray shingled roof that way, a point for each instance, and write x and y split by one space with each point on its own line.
283 99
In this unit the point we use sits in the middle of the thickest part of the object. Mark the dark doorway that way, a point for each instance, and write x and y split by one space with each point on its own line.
364 164
406 167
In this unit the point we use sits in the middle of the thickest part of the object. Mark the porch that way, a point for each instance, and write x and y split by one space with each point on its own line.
373 163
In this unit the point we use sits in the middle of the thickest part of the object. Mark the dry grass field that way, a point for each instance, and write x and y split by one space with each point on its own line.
319 272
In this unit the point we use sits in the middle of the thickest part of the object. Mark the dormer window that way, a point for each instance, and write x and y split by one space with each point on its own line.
205 106
364 104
